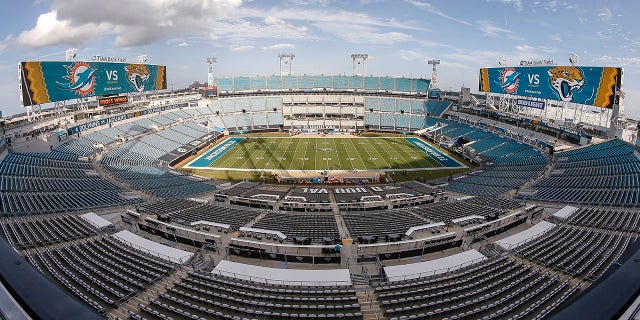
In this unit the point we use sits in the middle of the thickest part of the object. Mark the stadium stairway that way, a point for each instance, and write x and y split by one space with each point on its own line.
95 162
342 227
550 167
150 293
367 298
256 219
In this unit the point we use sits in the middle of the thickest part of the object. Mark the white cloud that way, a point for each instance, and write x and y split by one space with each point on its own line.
241 31
49 30
6 42
279 46
273 20
605 15
555 37
412 55
493 31
324 15
618 61
551 6
250 24
322 3
77 22
356 33
532 50
177 42
516 4
241 48
430 8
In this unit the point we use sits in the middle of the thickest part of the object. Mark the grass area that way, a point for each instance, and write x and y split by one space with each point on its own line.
274 151
300 153
233 176
397 176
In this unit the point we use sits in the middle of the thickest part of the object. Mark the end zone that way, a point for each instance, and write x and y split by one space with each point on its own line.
446 161
206 159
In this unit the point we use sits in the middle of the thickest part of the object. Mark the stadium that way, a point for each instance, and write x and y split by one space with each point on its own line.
307 197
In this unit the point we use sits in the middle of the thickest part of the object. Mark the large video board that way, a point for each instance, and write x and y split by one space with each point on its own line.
595 86
49 81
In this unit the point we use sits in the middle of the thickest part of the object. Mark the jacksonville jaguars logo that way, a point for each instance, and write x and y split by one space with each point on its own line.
80 78
137 75
509 80
566 80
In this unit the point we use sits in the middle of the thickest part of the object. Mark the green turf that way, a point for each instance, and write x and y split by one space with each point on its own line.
299 153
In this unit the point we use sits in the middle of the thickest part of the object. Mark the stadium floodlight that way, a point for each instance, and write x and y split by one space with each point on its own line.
71 54
210 62
286 58
359 58
574 59
434 73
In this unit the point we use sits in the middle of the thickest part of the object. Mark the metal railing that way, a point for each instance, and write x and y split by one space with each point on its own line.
435 272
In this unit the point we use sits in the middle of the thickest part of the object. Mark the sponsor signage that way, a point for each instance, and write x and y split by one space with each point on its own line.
98 123
100 58
50 81
105 102
596 86
537 62
160 109
530 103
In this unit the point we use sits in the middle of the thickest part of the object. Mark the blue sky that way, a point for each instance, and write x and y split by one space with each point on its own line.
398 35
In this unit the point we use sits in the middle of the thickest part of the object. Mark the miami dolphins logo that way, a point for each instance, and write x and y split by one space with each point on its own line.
509 80
80 78
138 75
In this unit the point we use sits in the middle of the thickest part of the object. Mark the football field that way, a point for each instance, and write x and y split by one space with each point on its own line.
323 153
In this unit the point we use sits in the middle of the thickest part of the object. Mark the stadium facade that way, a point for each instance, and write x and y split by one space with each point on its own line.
98 220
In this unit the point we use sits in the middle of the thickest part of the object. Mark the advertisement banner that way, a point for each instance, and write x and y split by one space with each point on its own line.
98 123
109 101
530 103
596 86
49 81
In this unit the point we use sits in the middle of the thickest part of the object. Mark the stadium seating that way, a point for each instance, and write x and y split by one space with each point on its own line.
205 295
605 173
37 183
41 230
445 212
499 288
186 211
402 121
580 252
293 225
530 281
387 121
374 226
512 163
102 271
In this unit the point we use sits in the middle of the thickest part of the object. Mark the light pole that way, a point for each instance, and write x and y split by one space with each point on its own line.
210 62
359 58
574 59
434 73
288 59
71 54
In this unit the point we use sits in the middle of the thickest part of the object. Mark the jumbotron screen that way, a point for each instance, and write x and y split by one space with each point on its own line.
50 81
596 86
